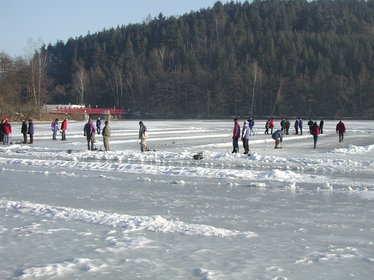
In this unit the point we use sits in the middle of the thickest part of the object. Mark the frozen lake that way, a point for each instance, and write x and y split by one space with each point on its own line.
291 213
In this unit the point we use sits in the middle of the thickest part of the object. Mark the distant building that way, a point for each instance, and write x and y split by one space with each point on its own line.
56 108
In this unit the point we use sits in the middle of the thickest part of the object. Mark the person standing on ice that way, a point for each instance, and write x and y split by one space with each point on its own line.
54 128
24 131
30 131
98 125
287 126
301 126
315 131
283 125
267 124
251 124
245 137
278 137
296 126
310 124
89 132
340 129
106 135
235 136
271 125
1 131
64 126
7 130
321 123
143 135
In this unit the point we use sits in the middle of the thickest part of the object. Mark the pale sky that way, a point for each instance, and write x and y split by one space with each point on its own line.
48 21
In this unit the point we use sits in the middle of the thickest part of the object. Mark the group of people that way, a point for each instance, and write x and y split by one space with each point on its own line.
56 128
314 129
89 131
26 129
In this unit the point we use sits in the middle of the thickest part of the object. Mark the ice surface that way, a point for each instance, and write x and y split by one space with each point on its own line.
291 213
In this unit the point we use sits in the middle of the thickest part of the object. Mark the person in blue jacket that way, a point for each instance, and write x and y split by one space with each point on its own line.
30 131
278 137
301 126
55 129
251 124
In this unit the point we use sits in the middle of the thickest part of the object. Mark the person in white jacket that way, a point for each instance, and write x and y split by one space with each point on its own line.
245 137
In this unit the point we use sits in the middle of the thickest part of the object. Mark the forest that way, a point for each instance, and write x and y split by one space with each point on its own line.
258 58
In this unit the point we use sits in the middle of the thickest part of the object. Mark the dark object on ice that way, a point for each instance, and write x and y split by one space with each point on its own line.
69 151
198 156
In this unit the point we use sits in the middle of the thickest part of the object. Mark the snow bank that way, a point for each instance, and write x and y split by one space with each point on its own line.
126 222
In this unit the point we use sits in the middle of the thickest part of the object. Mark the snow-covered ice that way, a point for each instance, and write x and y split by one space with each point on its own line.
291 213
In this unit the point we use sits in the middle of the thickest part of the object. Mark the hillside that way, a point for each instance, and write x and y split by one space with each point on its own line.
260 58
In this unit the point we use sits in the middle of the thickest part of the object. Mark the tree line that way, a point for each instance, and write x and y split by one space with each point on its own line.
259 58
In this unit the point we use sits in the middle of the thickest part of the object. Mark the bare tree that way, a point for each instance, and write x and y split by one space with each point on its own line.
80 80
278 96
254 78
116 85
38 77
36 57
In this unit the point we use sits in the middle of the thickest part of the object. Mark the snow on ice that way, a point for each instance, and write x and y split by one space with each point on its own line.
291 213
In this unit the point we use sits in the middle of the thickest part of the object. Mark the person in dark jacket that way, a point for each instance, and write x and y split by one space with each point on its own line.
89 132
30 131
340 129
1 131
235 136
287 126
321 124
310 124
24 131
98 125
283 125
315 131
267 126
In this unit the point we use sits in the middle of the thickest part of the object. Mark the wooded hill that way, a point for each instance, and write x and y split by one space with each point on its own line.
288 58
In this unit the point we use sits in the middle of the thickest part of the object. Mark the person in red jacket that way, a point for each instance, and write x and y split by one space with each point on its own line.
7 130
236 136
340 129
271 125
315 131
64 126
